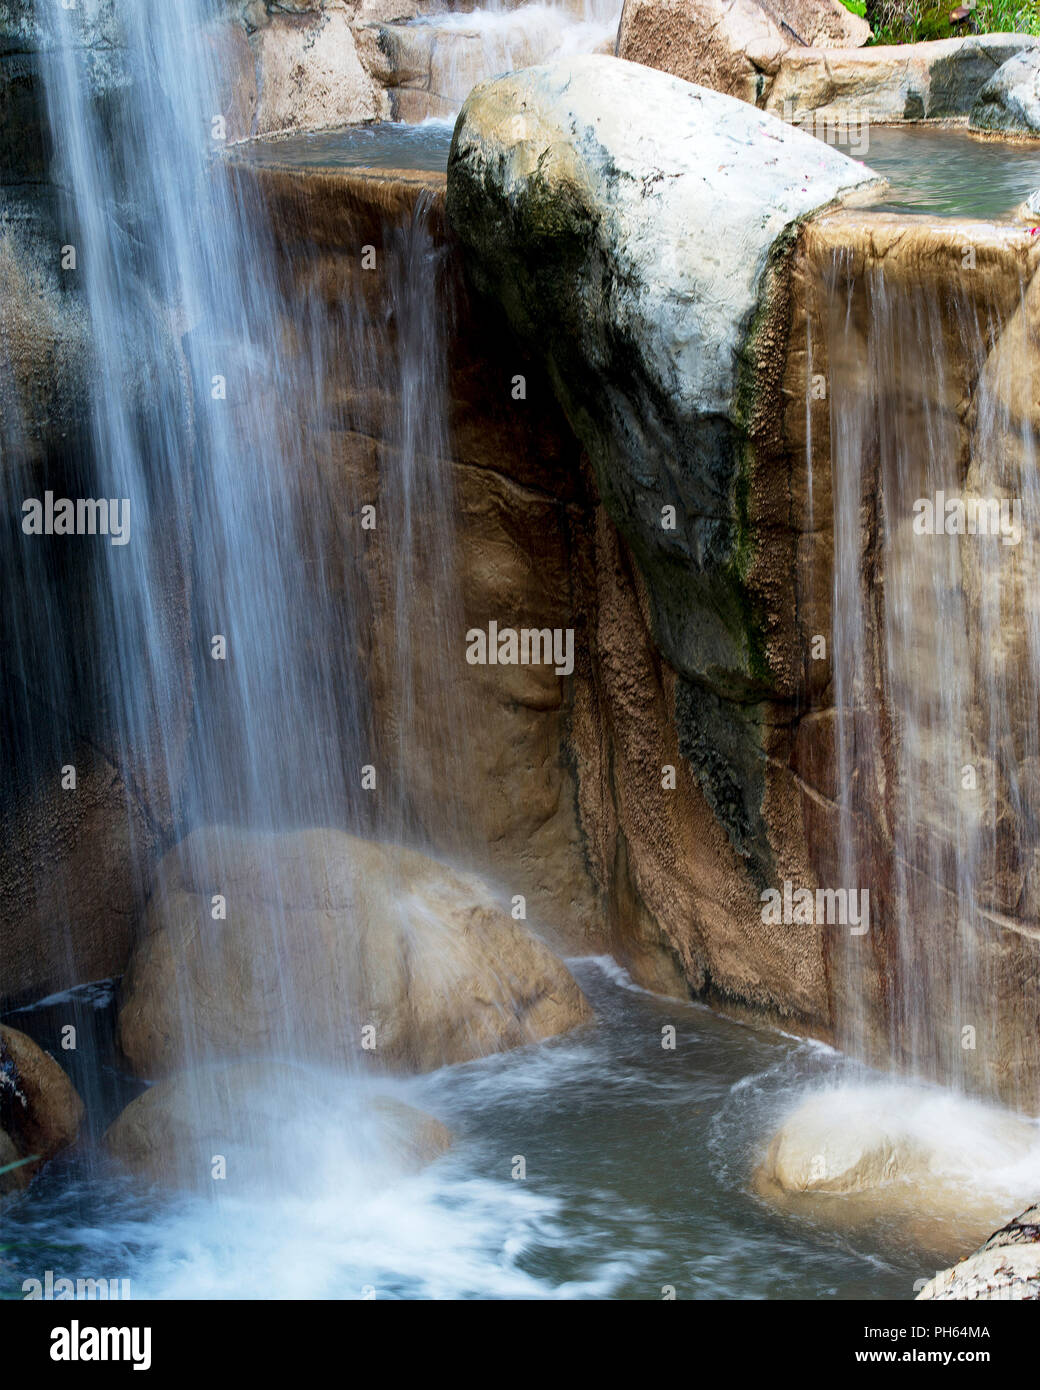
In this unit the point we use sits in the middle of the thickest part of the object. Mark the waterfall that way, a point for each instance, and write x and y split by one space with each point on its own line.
936 682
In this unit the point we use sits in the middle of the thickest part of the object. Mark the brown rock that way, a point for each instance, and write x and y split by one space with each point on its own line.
39 1107
326 934
260 1118
733 46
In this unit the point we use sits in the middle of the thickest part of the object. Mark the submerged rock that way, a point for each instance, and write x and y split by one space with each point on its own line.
1006 1267
856 1140
268 1123
40 1111
1010 100
344 948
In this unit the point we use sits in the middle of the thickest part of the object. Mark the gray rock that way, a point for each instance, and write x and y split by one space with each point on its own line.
1010 100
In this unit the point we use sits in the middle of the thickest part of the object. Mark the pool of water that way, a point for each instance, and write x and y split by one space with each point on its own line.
947 172
943 172
385 145
637 1166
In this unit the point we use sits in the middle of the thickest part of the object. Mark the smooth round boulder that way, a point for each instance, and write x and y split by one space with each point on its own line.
921 1168
270 1124
319 944
40 1110
1009 103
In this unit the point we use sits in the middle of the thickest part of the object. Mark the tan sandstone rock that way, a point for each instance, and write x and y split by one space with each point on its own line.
326 935
310 76
271 1123
937 80
909 1163
733 46
1006 1267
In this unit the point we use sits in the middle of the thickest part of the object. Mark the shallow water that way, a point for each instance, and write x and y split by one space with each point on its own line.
948 172
944 172
384 145
638 1162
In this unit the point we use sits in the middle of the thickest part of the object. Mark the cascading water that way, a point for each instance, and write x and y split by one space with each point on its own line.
216 393
936 679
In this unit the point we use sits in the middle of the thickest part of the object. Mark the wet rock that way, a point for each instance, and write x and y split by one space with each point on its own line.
627 221
826 1145
348 949
911 1167
269 1123
40 1111
1006 1267
1010 100
430 68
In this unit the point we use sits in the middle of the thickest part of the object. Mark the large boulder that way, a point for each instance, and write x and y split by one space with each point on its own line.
937 1169
890 83
269 1123
732 46
1010 100
40 1111
1006 1267
342 948
629 223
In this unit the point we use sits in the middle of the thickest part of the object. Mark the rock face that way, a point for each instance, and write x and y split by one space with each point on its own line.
732 46
264 1120
1006 1267
741 445
938 80
309 75
1010 100
564 202
66 856
327 936
40 1112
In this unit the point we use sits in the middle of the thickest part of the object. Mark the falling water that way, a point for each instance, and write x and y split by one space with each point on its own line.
936 677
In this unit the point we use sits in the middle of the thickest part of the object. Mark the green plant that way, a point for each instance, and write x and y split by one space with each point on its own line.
912 21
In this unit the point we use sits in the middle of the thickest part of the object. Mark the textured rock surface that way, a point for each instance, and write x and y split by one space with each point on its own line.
591 227
1010 100
40 1112
310 76
891 83
1006 1267
515 474
732 46
264 1120
325 935
917 268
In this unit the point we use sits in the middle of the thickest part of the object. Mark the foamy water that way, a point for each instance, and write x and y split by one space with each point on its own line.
638 1178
